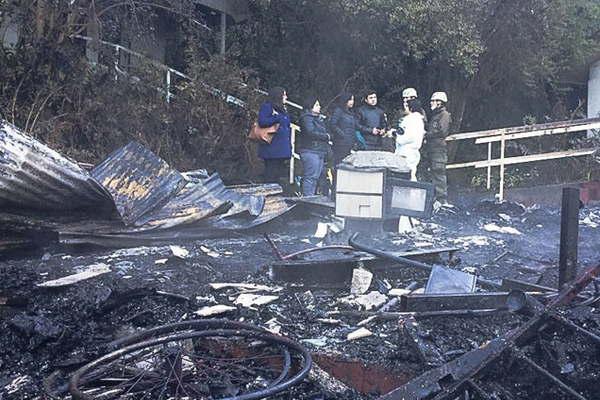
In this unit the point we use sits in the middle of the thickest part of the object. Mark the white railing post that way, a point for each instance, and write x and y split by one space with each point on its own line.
294 155
489 169
502 145
168 85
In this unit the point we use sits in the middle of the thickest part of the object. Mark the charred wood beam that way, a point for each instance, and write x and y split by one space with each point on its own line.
421 314
441 302
569 236
515 284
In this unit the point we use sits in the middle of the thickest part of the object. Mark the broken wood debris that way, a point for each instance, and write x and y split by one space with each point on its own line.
90 272
421 342
249 300
440 302
359 334
209 311
443 382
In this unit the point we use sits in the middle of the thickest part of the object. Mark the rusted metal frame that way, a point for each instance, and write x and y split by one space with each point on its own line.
464 368
563 386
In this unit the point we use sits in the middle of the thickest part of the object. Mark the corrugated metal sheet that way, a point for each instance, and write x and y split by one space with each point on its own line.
34 176
200 199
138 181
115 235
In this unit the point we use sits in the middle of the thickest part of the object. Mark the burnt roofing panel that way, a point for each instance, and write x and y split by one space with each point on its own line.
32 175
138 181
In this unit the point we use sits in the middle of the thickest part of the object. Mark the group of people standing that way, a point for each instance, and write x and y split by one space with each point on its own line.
357 128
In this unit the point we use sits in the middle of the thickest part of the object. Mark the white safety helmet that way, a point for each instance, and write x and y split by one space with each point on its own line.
441 96
409 92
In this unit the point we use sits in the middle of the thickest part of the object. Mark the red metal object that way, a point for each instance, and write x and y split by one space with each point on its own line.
363 377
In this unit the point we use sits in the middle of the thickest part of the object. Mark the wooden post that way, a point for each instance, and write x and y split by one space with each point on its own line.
502 145
569 235
489 168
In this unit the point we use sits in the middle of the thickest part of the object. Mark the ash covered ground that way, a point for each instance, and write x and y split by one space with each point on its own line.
47 330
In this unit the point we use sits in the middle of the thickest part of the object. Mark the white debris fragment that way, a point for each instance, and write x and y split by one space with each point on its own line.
359 334
399 292
89 272
505 217
273 326
17 384
209 252
588 222
318 342
179 252
470 270
329 321
361 280
214 310
248 299
371 300
133 252
322 229
161 261
501 229
474 240
423 244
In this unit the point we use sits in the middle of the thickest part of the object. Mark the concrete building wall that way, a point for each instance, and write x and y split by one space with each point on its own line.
594 91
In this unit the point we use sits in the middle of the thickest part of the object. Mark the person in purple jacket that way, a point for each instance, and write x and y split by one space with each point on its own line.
275 154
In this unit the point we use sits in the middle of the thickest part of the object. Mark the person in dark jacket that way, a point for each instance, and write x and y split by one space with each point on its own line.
435 148
276 153
313 145
372 121
343 125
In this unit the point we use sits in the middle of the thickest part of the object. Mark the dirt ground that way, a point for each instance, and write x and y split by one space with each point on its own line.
48 330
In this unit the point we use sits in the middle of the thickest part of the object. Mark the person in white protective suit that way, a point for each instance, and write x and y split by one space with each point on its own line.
409 137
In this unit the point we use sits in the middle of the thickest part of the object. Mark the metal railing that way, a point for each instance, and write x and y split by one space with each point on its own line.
522 132
295 129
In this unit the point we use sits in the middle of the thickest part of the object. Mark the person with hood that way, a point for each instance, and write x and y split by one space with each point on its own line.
372 121
275 154
435 148
313 145
410 137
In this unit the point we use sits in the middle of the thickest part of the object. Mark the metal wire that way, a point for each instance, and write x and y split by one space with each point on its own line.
78 377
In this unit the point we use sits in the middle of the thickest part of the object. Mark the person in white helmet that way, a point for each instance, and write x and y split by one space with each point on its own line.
410 136
409 94
435 148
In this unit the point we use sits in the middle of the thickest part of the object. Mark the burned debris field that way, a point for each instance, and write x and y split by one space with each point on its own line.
383 337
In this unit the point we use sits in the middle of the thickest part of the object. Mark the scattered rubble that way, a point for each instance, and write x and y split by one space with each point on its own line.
371 313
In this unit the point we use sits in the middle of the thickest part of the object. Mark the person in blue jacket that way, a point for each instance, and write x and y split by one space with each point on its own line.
313 145
275 154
